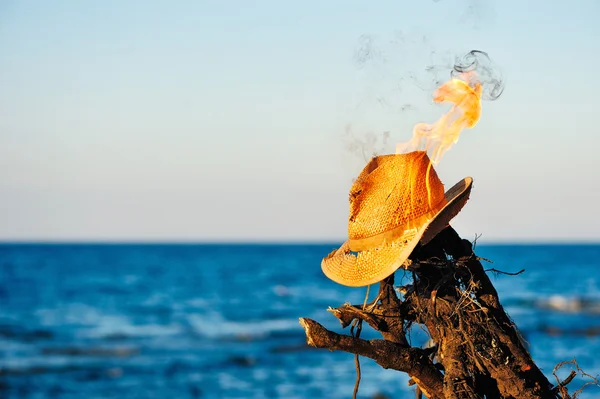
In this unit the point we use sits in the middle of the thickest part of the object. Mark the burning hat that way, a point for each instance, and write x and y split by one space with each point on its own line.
396 201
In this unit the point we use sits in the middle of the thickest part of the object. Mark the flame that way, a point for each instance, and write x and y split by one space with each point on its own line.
465 93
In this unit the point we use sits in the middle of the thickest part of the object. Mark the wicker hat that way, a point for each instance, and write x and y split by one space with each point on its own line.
396 201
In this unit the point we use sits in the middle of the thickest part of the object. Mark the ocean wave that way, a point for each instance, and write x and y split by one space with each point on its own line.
569 304
216 327
91 351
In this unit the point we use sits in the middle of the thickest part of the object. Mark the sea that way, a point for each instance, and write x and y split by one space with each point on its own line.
221 320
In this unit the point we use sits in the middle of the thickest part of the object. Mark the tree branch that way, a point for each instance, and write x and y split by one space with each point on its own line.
413 361
386 317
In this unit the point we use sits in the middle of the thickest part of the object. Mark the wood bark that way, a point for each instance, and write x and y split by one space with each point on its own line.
478 351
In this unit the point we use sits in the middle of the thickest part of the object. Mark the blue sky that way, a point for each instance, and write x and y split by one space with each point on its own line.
216 120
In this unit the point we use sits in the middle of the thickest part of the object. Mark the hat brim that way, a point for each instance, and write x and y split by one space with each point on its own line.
357 269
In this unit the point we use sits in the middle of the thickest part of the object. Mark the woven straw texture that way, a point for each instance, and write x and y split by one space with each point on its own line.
391 208
391 192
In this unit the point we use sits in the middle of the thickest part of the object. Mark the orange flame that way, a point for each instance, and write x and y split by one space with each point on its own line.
465 94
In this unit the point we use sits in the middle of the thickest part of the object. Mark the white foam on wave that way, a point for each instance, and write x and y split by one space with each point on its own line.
213 325
75 313
570 304
132 330
94 323
200 303
229 381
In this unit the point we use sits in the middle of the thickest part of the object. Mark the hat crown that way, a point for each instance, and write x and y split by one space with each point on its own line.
393 191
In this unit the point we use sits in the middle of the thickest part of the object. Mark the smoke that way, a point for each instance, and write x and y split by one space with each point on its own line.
399 73
367 146
367 51
473 77
487 73
477 14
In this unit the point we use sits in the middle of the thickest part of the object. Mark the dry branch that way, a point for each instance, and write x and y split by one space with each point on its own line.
478 350
388 355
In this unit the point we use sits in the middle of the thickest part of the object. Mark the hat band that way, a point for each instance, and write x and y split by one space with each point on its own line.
395 234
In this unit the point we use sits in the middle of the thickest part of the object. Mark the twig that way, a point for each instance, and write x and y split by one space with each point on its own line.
561 386
358 325
506 273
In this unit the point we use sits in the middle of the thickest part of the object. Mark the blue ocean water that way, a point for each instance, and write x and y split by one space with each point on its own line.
221 321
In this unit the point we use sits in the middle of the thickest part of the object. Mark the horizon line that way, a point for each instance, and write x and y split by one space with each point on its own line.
139 241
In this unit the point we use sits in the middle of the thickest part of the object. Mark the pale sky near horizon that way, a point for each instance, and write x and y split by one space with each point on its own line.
222 120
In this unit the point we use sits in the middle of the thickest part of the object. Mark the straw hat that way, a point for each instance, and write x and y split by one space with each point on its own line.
391 210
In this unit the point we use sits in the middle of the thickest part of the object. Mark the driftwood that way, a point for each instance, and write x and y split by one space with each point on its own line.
478 351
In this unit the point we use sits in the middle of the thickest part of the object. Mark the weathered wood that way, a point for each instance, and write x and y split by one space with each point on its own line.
388 355
477 347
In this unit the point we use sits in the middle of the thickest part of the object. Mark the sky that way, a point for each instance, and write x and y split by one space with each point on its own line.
243 120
